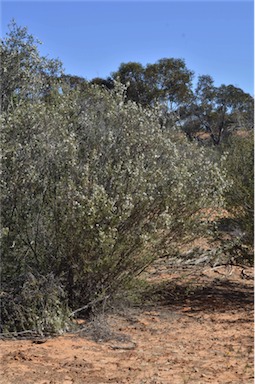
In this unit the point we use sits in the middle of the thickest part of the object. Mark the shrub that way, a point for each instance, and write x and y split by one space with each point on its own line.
93 189
240 197
34 304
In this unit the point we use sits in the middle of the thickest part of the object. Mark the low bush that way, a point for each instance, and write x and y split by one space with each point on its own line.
34 304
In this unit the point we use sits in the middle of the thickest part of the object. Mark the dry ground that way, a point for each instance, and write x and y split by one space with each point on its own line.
199 329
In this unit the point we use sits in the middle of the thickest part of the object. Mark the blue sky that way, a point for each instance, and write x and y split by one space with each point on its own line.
93 38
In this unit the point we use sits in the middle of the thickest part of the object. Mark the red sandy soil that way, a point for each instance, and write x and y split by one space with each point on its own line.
198 329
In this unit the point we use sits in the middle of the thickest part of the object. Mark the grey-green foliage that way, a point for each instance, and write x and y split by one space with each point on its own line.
240 197
93 188
24 73
34 304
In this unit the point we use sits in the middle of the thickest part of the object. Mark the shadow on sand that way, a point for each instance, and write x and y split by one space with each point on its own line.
217 295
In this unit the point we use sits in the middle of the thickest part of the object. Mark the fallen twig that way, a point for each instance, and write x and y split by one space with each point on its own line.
126 347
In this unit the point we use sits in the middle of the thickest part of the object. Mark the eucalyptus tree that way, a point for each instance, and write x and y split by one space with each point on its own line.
217 110
74 82
133 75
170 81
108 83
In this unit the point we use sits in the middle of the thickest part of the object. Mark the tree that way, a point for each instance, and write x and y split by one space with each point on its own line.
217 110
74 82
107 83
133 75
237 106
169 81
